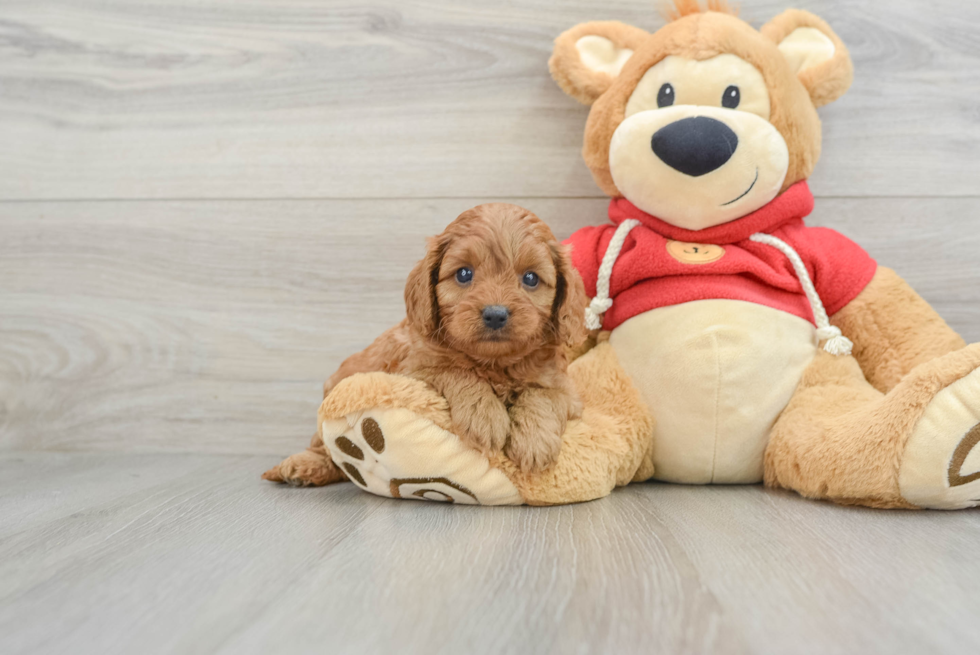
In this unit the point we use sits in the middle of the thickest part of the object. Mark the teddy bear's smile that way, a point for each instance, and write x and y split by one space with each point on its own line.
747 192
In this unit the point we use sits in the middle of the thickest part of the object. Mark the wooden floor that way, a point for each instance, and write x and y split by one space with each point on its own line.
205 205
114 553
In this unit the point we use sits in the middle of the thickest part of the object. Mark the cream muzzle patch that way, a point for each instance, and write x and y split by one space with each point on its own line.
750 176
696 148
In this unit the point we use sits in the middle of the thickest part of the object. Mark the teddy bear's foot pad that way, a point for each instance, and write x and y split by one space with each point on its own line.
396 453
941 465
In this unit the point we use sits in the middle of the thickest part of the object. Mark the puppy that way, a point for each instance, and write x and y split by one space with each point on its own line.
491 310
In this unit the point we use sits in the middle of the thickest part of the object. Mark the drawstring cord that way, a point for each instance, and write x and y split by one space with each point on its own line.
836 342
602 302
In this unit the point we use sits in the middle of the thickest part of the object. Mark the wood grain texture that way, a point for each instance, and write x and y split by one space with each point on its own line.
193 554
449 98
205 205
210 326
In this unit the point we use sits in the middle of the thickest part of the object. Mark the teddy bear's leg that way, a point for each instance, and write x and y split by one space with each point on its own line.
391 436
610 446
894 330
916 446
310 468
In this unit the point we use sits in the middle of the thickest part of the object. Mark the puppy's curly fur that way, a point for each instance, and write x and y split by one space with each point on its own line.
507 387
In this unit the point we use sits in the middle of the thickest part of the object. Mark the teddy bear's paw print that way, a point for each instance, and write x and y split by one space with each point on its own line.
941 464
440 490
964 467
396 453
358 452
371 434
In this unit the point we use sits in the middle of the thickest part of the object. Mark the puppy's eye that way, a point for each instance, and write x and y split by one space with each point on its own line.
666 96
530 279
732 97
464 275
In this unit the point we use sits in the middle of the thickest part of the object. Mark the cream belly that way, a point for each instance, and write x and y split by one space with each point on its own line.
716 374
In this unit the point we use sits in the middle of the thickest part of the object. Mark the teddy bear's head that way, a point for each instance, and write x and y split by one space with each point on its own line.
707 119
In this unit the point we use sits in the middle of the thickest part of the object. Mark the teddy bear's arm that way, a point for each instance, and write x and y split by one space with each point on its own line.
893 330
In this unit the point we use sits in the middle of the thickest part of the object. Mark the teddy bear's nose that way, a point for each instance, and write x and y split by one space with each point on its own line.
695 146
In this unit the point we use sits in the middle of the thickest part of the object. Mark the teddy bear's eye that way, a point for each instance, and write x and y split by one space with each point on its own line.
464 275
732 97
666 96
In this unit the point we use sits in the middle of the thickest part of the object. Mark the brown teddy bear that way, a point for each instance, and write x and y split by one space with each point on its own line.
738 344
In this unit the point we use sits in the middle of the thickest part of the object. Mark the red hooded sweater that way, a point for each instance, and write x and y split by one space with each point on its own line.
647 275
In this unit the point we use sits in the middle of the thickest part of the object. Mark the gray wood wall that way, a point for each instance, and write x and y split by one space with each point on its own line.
206 205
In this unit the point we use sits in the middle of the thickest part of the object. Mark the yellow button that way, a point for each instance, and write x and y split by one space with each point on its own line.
694 253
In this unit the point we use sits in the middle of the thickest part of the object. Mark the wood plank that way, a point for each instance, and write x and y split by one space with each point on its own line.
58 486
802 572
138 570
210 326
216 561
448 98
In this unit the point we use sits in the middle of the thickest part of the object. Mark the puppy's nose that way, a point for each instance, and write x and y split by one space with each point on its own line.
495 316
695 146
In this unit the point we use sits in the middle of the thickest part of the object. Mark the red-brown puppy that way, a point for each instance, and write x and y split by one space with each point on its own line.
491 309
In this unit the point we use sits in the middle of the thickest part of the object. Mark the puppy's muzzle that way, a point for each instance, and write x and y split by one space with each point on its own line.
495 316
695 146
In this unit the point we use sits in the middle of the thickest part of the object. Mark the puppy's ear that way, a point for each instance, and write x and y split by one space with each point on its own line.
568 308
588 57
421 300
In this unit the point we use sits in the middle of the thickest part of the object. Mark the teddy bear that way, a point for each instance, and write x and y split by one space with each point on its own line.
732 344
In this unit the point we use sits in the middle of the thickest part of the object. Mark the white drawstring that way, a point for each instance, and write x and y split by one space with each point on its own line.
602 302
837 343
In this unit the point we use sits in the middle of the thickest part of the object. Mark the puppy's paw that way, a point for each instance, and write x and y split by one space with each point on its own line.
534 441
484 424
306 469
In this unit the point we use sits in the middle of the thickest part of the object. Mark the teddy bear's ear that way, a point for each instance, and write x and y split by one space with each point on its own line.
588 57
814 52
